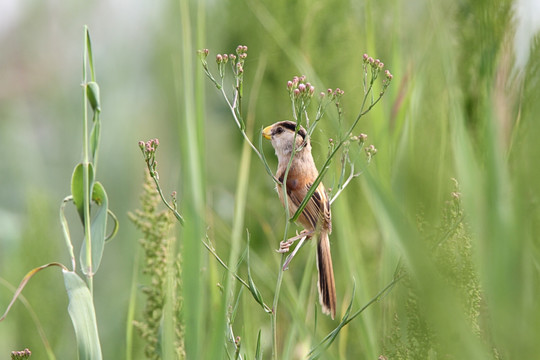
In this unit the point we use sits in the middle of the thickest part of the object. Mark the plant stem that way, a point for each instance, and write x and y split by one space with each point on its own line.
86 176
274 308
173 210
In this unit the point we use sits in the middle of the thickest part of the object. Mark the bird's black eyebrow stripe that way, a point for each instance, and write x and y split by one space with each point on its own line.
292 126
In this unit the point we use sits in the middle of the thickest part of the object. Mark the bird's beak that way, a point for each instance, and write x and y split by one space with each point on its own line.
267 132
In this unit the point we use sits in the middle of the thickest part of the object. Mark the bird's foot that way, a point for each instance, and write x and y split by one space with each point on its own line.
284 246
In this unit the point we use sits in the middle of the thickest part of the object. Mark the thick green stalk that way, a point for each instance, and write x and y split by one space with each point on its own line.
193 163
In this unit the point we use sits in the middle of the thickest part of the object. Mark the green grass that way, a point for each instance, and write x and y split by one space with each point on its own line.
466 258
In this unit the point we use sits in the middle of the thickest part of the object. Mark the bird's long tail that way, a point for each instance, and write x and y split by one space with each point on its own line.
326 284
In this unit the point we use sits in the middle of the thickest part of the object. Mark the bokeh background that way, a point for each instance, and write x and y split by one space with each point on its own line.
463 104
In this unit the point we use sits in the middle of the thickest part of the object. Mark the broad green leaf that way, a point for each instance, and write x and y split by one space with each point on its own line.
93 96
98 229
82 313
77 184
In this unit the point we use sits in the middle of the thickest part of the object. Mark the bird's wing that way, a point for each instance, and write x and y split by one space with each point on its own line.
317 210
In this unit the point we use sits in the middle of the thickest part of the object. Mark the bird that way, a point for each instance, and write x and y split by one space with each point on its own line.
316 217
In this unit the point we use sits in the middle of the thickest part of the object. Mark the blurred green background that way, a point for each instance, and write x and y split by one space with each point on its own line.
463 104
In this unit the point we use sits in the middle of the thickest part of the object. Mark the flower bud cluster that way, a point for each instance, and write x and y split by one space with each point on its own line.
370 152
203 54
375 63
237 60
376 66
360 138
149 152
333 94
224 58
299 87
241 50
24 354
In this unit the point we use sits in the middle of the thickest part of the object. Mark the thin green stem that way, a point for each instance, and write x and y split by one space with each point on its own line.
328 339
274 308
236 276
158 188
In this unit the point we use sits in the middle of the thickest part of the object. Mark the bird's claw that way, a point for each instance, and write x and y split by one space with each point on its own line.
284 246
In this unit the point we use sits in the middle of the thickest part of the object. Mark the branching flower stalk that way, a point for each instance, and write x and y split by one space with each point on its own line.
373 67
149 152
237 67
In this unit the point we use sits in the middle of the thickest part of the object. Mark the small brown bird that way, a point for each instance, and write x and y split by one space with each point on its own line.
315 217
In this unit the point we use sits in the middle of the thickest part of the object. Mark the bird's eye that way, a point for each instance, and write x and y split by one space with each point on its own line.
278 130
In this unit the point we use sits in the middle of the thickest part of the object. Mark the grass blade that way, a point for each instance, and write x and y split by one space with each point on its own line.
81 311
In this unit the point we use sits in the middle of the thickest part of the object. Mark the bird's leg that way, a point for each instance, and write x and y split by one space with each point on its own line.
290 257
285 245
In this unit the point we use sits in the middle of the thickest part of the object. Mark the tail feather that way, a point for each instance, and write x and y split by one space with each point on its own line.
326 283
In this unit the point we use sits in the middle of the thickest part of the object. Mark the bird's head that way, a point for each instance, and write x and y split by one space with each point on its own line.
281 134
